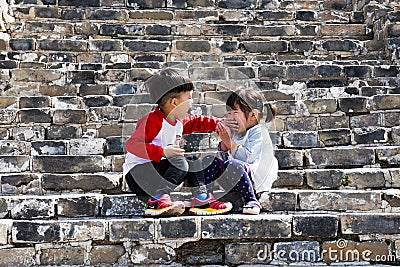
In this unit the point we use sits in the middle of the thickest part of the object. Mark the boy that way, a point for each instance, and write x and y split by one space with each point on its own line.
155 164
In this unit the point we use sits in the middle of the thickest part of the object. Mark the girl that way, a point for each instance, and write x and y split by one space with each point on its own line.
246 159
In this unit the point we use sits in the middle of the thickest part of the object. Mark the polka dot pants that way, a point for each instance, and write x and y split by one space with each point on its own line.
231 175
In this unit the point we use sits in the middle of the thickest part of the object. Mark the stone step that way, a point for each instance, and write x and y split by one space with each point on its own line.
96 205
113 183
348 239
321 158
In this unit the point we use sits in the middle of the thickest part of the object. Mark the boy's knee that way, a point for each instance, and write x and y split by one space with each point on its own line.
179 163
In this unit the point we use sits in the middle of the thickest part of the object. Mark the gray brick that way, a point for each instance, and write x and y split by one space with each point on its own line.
148 254
366 178
121 29
3 208
35 232
315 225
271 72
300 139
22 44
329 71
60 164
340 45
301 72
340 201
289 179
301 46
64 116
105 45
35 75
334 122
34 115
46 12
358 71
79 231
63 45
7 116
386 71
200 74
14 164
324 179
132 230
370 223
334 137
274 15
18 257
146 3
389 155
178 228
49 148
305 15
34 102
278 201
89 3
68 255
63 132
93 146
14 148
31 133
151 14
396 134
85 182
289 158
248 253
265 46
158 30
367 120
237 3
386 102
77 206
16 184
106 254
32 208
147 46
245 227
287 107
302 124
125 205
354 104
323 157
193 46
288 30
370 135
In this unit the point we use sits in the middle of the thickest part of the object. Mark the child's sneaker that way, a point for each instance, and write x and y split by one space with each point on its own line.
252 207
209 206
164 207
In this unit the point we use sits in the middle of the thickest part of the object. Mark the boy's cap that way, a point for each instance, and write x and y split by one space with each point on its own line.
164 81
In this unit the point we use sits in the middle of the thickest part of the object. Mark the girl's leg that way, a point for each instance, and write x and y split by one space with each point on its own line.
213 168
238 176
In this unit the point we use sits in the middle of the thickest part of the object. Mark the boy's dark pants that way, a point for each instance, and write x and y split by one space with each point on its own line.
157 178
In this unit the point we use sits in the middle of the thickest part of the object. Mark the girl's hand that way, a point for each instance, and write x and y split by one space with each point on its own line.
172 151
224 133
231 123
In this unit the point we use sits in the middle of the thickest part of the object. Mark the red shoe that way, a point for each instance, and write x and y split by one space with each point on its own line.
164 207
210 206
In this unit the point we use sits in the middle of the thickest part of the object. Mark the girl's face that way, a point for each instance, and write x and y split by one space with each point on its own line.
240 118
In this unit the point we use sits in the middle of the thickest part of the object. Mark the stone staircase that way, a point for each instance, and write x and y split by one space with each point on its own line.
71 77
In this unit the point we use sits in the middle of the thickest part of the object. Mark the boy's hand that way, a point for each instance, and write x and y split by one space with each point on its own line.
225 134
172 151
231 123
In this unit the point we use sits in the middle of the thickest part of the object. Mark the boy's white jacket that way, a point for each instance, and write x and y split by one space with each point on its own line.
256 149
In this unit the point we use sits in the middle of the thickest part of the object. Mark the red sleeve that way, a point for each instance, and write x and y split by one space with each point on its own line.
139 144
198 123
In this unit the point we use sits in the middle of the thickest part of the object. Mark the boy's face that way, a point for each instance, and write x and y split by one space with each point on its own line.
184 103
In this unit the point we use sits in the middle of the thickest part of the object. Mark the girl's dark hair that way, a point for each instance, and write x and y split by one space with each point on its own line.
248 100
